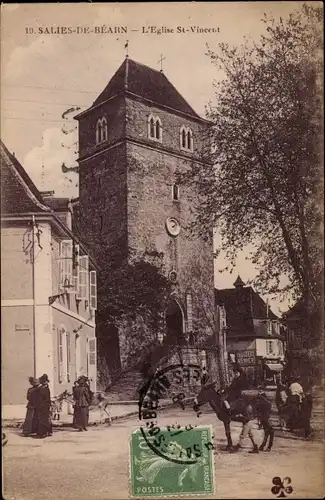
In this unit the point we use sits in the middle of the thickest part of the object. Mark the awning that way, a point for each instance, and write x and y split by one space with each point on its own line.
275 367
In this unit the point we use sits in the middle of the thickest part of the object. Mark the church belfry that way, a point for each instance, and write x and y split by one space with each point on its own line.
133 140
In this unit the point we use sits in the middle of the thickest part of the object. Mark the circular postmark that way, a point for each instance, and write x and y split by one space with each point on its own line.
179 444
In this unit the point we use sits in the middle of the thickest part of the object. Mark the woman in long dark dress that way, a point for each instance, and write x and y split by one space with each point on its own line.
43 408
30 423
82 400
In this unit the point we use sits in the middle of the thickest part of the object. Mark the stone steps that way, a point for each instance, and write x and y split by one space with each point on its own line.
126 387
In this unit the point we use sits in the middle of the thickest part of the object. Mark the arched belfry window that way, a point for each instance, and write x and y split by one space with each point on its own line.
154 128
186 138
101 130
183 139
158 127
189 140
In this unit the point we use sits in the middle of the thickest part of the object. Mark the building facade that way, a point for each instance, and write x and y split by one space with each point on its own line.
48 291
252 333
133 141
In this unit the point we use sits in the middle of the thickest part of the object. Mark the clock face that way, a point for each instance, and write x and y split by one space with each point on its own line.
173 226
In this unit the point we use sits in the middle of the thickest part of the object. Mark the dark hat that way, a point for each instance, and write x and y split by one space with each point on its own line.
44 379
32 380
82 379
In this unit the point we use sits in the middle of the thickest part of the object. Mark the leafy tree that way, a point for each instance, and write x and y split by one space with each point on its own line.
263 184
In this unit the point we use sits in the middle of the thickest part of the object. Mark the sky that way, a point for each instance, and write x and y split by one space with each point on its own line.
45 73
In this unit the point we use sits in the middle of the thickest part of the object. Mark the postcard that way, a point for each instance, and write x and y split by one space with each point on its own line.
161 250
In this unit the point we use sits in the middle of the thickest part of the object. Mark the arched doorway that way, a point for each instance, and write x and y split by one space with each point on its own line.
174 324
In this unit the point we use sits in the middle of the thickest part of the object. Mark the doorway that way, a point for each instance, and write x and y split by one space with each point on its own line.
174 324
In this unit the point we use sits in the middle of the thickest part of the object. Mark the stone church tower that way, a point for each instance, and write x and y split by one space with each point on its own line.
133 140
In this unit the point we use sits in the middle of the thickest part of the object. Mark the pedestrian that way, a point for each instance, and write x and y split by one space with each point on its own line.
43 408
30 423
238 384
295 396
296 391
90 398
82 400
74 406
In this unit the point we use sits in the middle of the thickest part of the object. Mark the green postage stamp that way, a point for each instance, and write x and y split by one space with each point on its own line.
171 461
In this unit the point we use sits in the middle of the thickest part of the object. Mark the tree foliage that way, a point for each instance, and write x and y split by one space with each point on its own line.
133 287
263 183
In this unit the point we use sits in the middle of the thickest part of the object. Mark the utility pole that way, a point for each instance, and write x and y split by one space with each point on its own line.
33 292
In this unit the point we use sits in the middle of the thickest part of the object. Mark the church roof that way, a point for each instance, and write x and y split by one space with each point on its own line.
18 192
147 83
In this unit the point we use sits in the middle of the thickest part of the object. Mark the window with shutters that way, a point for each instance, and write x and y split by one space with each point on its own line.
68 356
75 268
60 354
93 290
66 265
92 362
83 278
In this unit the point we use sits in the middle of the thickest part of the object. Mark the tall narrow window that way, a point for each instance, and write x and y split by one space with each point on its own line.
60 354
83 281
66 265
75 268
189 139
92 362
154 128
68 348
101 130
93 290
157 130
104 130
175 188
183 139
186 139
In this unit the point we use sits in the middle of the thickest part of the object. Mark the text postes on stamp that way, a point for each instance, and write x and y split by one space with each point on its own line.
183 466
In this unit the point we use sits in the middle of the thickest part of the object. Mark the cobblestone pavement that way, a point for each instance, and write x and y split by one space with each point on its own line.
94 465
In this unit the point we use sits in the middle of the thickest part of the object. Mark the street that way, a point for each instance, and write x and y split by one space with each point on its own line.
94 465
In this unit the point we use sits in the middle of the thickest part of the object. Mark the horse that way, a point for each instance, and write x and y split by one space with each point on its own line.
296 417
244 410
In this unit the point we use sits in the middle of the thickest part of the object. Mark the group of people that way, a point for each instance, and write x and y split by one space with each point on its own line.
38 415
290 396
291 393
